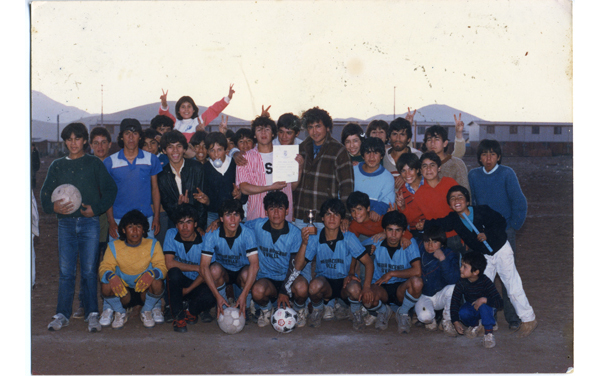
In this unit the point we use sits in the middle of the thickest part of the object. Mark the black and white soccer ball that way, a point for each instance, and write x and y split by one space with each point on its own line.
231 321
284 320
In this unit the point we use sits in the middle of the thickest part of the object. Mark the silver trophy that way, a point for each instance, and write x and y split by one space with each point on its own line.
311 214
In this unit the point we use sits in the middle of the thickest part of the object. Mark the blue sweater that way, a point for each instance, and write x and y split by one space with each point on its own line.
438 274
379 185
501 191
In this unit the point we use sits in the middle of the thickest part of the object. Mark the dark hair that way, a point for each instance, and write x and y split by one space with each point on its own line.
79 130
198 137
435 233
100 131
378 124
314 115
244 133
289 121
215 138
185 211
231 206
411 160
394 218
436 130
372 145
276 199
133 217
399 124
476 260
458 188
150 133
264 121
229 135
335 205
181 101
358 198
432 156
173 137
122 144
352 129
487 145
161 120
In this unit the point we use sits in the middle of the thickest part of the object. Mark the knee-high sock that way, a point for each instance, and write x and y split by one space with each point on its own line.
408 302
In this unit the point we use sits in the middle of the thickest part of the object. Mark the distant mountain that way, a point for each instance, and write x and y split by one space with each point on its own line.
44 108
432 113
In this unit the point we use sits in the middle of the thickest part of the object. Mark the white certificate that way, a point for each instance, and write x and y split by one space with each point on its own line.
285 167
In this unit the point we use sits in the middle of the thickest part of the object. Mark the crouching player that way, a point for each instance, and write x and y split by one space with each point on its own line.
484 230
481 300
440 271
229 256
397 274
183 252
333 252
133 269
278 242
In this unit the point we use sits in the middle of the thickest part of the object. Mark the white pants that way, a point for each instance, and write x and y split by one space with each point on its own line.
427 305
503 263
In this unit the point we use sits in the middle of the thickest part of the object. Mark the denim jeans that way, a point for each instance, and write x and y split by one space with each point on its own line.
470 316
78 237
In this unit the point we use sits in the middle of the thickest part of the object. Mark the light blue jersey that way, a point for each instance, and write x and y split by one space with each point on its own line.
333 258
400 259
274 258
174 245
232 256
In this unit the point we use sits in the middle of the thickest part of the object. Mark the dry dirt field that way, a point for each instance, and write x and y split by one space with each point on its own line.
544 259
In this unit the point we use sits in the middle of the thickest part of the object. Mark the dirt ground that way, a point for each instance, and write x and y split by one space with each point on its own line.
544 252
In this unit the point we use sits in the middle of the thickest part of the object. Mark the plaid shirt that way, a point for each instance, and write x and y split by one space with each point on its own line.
329 175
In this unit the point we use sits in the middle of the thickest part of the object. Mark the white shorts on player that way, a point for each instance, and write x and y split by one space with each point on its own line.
503 263
427 305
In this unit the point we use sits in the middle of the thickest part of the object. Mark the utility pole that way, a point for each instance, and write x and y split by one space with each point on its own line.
102 105
394 103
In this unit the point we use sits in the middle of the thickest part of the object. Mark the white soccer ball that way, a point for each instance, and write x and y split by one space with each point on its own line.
70 193
284 320
231 321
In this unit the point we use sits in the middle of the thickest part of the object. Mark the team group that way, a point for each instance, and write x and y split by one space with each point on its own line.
372 227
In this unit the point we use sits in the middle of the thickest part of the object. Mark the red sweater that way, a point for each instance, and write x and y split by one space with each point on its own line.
431 202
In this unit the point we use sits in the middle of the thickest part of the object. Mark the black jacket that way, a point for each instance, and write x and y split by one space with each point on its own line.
192 177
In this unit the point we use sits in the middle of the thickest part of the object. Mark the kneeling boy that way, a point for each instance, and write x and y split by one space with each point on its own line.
134 268
481 300
397 274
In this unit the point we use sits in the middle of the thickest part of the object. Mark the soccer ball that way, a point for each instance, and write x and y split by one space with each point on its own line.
284 320
70 193
230 321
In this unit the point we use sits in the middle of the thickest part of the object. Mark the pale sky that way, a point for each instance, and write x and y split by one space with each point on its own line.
498 60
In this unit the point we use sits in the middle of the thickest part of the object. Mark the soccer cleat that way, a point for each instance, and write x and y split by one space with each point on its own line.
302 314
264 317
119 320
432 326
489 341
526 328
514 325
383 318
403 323
180 326
205 316
314 320
369 319
474 331
328 313
340 312
449 328
59 321
93 323
107 317
147 319
157 315
357 320
79 314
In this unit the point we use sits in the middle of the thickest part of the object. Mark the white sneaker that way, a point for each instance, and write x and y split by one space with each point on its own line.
449 328
59 321
432 326
474 331
157 315
93 324
341 312
328 313
302 315
489 341
403 323
369 318
119 320
147 319
383 318
107 317
265 318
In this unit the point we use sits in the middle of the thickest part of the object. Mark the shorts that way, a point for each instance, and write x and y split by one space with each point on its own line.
336 287
136 298
277 285
391 289
233 276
